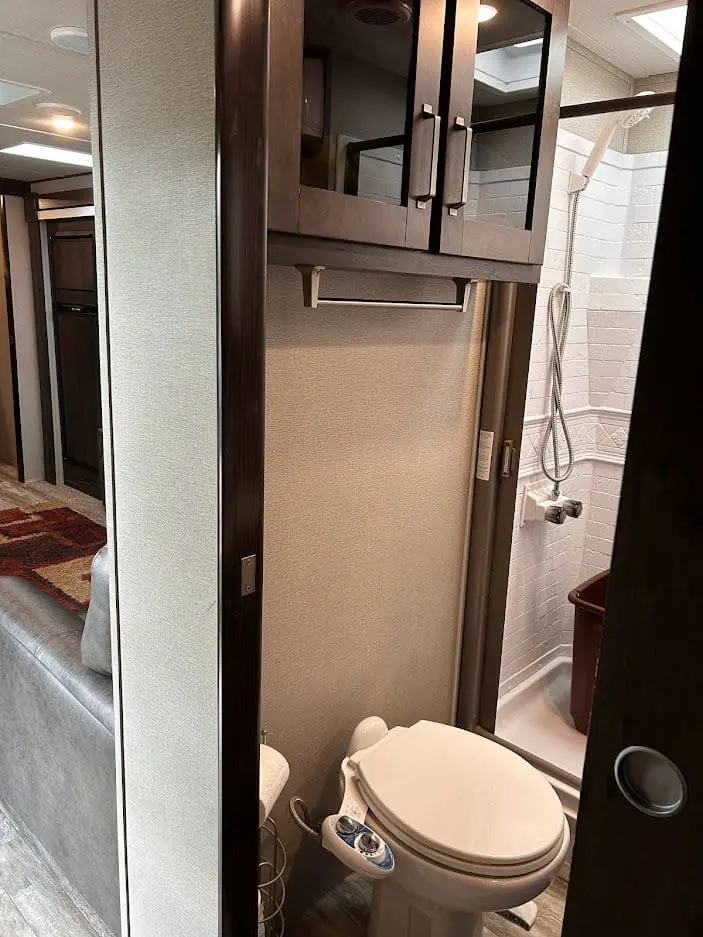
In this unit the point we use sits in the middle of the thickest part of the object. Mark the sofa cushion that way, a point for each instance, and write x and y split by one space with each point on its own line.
51 634
96 645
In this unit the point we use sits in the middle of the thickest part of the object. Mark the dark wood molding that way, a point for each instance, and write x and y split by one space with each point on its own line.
13 187
633 873
290 249
40 325
241 96
19 454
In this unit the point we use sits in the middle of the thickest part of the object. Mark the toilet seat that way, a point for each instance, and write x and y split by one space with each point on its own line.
461 800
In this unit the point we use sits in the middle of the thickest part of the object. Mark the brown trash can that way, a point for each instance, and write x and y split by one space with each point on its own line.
588 600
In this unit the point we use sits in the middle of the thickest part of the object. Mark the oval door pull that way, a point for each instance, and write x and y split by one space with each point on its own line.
454 205
427 113
650 781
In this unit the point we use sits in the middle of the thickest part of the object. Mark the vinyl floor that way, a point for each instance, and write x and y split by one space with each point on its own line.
344 912
34 902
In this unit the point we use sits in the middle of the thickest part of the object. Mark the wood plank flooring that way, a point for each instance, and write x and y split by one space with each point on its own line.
34 902
16 494
344 912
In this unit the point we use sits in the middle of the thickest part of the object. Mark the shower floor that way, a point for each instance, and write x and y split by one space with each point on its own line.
535 717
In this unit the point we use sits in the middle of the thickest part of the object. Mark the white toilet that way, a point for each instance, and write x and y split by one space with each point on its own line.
472 827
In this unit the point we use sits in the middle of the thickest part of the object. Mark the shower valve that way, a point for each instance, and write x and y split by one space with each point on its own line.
573 508
555 514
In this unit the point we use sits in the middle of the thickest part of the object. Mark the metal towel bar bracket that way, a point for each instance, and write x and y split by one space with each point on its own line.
313 300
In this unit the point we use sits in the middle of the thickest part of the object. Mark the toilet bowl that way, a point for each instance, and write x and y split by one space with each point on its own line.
472 827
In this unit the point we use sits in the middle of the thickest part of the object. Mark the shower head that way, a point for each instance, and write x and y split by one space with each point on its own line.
624 119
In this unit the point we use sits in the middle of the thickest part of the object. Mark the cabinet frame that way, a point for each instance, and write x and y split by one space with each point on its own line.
469 237
302 209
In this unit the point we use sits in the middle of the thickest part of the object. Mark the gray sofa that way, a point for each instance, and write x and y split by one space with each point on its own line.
57 744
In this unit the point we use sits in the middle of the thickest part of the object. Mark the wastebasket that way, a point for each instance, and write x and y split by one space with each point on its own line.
588 600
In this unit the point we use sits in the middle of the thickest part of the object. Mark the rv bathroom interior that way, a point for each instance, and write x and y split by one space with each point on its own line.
463 207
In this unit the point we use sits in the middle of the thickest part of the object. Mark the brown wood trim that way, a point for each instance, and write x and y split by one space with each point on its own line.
634 874
40 325
501 313
513 420
285 113
288 250
241 98
427 77
460 50
588 109
5 255
501 242
548 131
335 215
13 187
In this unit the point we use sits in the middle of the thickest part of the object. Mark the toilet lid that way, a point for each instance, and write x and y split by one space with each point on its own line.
457 797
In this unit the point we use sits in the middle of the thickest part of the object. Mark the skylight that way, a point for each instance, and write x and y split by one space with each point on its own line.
664 26
11 91
53 154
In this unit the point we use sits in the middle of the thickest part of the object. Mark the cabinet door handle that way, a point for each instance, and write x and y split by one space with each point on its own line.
461 126
428 113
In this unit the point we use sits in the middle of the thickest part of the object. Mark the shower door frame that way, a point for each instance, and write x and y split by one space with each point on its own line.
490 531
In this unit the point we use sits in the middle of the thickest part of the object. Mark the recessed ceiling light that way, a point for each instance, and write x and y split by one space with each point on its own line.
52 154
62 116
71 38
486 12
11 91
664 25
528 43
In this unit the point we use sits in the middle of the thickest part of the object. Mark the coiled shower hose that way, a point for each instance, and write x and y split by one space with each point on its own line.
559 320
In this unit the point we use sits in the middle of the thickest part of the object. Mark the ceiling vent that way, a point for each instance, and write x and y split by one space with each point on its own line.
379 12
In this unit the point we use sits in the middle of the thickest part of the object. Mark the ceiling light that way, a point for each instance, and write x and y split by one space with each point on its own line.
527 43
11 91
486 12
63 122
52 154
71 38
664 25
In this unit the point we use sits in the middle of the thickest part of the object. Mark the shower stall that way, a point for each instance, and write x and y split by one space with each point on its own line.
585 342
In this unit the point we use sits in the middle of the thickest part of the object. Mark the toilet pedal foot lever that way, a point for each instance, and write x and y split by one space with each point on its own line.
523 915
346 835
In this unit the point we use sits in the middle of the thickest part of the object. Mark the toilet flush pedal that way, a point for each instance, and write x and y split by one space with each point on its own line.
346 835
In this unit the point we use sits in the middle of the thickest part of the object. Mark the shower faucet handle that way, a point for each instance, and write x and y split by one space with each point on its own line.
555 514
573 507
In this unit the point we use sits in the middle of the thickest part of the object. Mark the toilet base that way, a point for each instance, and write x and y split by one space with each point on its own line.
392 912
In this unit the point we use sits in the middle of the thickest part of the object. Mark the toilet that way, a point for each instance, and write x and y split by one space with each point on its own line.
471 825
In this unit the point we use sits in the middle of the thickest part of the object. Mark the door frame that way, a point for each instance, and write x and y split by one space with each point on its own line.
491 527
19 457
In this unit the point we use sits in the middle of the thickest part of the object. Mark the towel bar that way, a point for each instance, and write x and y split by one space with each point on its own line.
313 300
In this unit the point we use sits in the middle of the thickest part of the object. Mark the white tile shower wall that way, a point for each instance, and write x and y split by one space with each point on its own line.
614 245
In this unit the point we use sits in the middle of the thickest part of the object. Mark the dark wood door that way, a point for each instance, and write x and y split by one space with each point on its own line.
354 120
74 298
637 859
501 129
78 365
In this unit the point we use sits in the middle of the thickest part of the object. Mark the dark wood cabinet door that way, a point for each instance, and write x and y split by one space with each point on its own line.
77 354
73 269
354 119
501 128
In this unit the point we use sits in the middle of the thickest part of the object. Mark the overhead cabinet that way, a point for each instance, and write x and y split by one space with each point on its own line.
419 124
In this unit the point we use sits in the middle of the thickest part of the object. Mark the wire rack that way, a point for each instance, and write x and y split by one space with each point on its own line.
272 865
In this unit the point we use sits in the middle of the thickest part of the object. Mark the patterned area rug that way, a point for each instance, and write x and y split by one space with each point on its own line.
53 547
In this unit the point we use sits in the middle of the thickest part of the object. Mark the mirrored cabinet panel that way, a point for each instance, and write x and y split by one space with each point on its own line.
357 105
505 109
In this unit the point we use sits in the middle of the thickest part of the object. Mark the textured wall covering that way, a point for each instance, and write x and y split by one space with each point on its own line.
156 74
369 429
